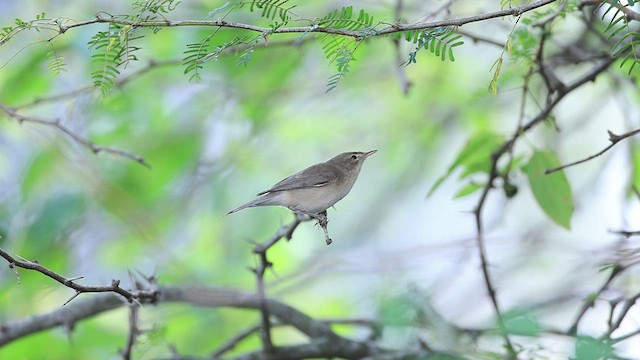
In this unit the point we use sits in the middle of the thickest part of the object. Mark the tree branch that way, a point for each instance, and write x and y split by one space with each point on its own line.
625 233
395 28
628 304
405 83
317 331
131 296
588 303
284 232
55 123
231 343
493 174
613 138
133 331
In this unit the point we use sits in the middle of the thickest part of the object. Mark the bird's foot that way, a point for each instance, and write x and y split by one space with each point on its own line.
323 221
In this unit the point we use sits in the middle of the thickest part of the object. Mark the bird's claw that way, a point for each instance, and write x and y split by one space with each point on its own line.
323 221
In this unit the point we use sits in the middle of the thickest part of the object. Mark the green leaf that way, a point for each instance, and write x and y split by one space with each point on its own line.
522 322
397 311
552 191
468 189
635 156
475 157
588 348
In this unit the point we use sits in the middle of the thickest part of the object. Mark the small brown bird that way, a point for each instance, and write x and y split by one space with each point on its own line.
315 189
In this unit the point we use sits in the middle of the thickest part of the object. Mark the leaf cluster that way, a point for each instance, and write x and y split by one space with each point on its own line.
150 10
339 50
438 41
552 192
7 32
198 53
627 41
270 9
113 50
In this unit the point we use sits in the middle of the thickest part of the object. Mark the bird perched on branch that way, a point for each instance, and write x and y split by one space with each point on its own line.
315 189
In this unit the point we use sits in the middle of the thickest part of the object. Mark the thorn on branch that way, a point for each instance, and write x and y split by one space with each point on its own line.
71 298
15 270
626 233
613 137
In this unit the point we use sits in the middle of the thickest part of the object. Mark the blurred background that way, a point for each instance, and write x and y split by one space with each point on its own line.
214 144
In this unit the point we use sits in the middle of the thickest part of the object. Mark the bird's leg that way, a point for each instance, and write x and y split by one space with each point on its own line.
323 221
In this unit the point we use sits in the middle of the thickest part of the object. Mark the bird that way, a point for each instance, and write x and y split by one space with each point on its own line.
315 189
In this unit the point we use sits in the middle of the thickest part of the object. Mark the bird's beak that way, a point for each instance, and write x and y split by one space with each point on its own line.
369 153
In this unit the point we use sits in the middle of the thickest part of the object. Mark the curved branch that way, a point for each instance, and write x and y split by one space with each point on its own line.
131 296
55 123
396 28
213 297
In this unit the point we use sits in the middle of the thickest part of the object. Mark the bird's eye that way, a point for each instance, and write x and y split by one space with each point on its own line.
354 157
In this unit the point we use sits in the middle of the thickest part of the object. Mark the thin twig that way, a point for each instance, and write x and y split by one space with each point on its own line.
133 331
479 38
588 303
284 232
405 83
231 343
626 336
151 65
131 296
628 304
55 123
265 333
613 138
626 233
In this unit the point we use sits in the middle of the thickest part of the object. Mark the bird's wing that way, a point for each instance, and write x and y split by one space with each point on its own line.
314 176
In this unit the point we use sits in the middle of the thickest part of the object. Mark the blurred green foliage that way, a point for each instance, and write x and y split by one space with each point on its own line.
213 144
552 191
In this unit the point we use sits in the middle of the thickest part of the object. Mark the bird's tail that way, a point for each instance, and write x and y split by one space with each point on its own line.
264 200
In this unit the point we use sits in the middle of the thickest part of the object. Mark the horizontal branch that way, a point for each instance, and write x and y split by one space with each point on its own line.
317 331
395 28
626 233
322 348
55 123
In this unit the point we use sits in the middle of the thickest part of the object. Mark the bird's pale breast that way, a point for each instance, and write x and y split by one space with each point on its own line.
312 200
